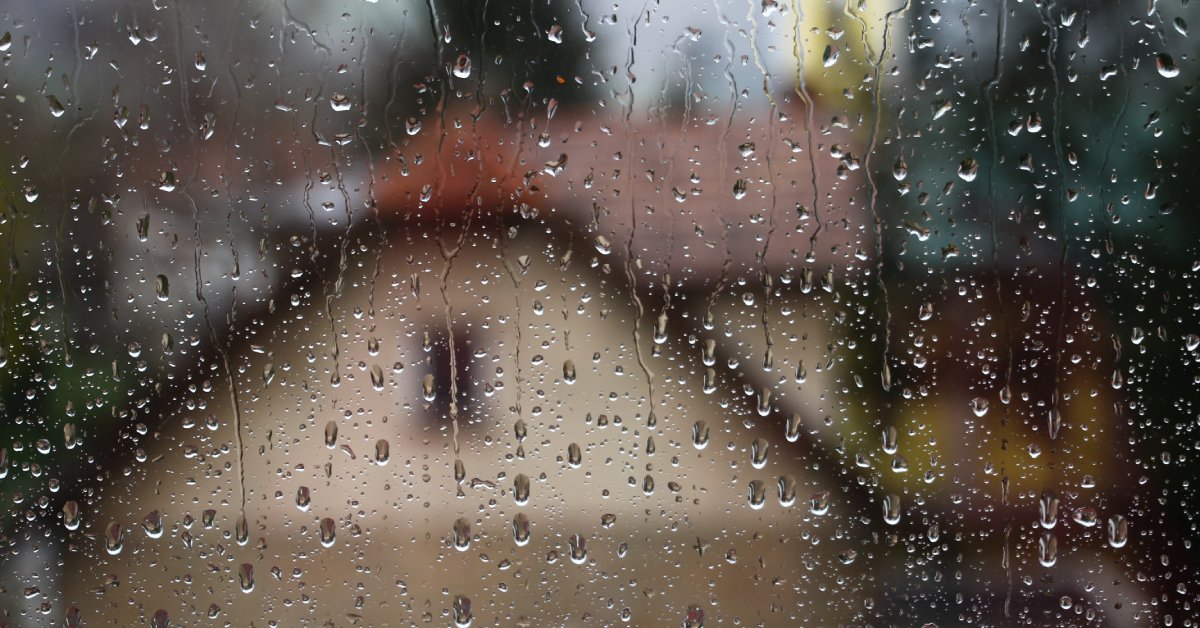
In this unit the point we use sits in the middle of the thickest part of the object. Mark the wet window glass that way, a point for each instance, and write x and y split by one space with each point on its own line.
503 313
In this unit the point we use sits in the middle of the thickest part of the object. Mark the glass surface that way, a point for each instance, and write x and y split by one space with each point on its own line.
555 313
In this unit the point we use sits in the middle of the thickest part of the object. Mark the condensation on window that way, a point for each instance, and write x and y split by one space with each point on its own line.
499 313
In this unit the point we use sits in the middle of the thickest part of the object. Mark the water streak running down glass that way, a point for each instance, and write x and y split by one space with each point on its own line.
763 312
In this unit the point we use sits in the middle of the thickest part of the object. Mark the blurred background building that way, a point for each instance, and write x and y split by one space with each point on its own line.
357 313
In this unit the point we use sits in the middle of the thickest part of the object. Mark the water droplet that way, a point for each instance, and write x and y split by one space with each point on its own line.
1166 65
818 504
160 619
241 530
462 67
71 515
153 524
758 494
114 538
890 438
328 532
1048 509
830 56
1048 549
303 498
660 328
462 534
521 489
792 430
376 377
56 108
246 577
1118 531
739 188
574 455
758 453
603 245
427 387
462 611
382 451
968 169
569 372
787 490
1085 516
891 509
520 528
979 406
578 546
700 434
331 433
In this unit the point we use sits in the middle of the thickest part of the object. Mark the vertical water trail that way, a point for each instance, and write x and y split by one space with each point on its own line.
802 92
630 258
198 257
1056 139
988 88
774 115
873 190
